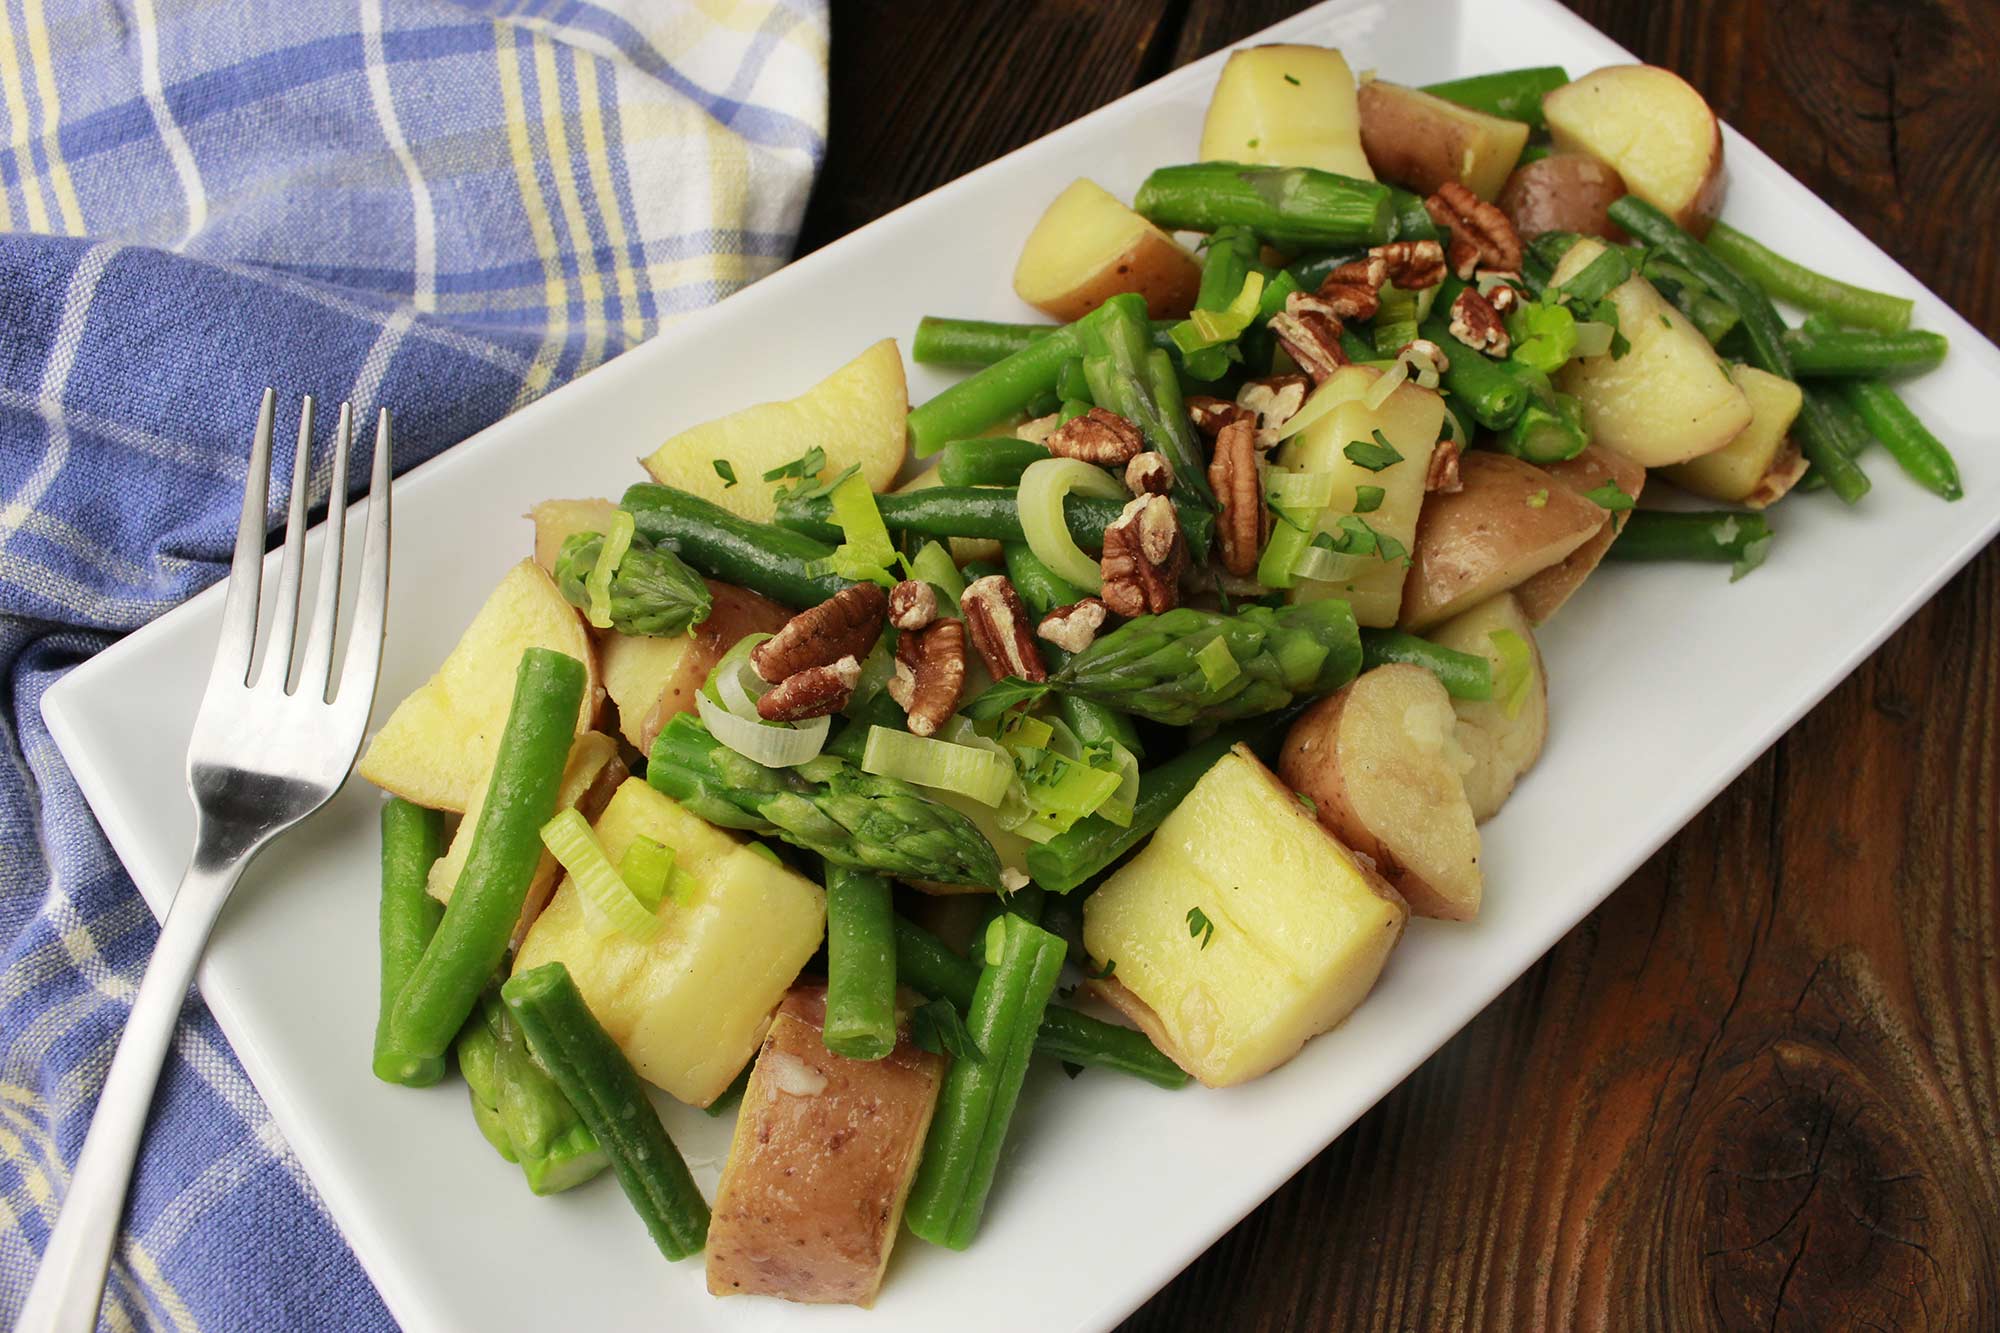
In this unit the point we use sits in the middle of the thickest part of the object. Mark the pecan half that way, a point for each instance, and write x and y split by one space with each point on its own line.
913 604
930 674
1149 474
1422 353
1143 558
1411 266
1478 325
817 691
1309 330
1098 436
999 626
1443 473
1210 415
1074 627
1481 235
1232 474
1354 290
844 625
1503 296
1275 399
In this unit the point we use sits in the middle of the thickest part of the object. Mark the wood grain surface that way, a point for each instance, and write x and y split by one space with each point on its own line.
1760 1087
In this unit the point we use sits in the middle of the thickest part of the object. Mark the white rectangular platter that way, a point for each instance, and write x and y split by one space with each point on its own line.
1667 682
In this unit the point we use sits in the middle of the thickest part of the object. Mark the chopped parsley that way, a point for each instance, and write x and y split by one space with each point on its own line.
936 1027
1289 79
1355 537
808 464
1375 456
1251 143
1665 323
1540 499
1312 806
725 470
1199 926
1610 496
1110 966
1368 499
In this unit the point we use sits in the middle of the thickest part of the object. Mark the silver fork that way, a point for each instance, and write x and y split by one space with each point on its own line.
266 752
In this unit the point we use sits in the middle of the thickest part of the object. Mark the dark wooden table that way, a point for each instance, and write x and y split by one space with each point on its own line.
1760 1087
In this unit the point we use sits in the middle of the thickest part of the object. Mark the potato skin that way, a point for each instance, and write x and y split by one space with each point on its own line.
1563 192
1154 267
1313 764
732 613
1490 535
1419 141
1089 246
1618 95
820 1164
1544 593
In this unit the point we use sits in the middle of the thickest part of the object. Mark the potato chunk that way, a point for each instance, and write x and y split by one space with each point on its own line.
1302 927
1286 106
1563 192
1089 247
856 415
1501 736
1380 760
1508 521
1544 593
650 679
688 1006
1669 398
820 1164
1761 463
1420 141
1409 419
1651 127
556 521
437 747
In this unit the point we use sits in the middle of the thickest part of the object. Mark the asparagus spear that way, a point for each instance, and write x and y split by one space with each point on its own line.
1291 207
653 592
1190 666
826 805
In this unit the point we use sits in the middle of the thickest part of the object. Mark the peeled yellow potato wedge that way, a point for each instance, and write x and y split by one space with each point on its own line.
1410 419
1651 127
1286 106
1380 760
1089 247
688 1006
1544 593
650 679
1508 521
856 415
1302 927
1420 141
1762 462
593 773
1502 737
1669 398
556 521
820 1165
437 747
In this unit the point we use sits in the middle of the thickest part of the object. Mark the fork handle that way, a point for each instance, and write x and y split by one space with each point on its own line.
69 1284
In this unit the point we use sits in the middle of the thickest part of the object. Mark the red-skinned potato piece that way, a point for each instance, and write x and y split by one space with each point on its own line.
1563 192
1089 247
650 679
1654 129
1544 593
820 1165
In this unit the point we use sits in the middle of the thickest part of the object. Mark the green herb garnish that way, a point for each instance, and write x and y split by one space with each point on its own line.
1368 499
937 1027
1199 926
725 470
1374 456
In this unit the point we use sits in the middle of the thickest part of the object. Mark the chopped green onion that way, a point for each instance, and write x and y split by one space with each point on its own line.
1378 393
597 584
1120 805
604 894
934 566
1593 338
867 551
772 744
647 868
734 684
1517 667
977 774
877 670
1544 336
1323 564
1045 484
1218 665
1203 329
1299 490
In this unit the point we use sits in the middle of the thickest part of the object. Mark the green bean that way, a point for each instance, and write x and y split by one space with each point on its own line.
972 343
1514 94
1794 282
412 838
783 565
860 965
555 1148
1853 354
1227 260
1918 452
1494 398
1762 328
976 1104
506 847
1463 675
1719 536
598 1080
1823 439
990 460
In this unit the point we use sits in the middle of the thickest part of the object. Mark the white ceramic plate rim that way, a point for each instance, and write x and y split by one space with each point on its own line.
1110 1289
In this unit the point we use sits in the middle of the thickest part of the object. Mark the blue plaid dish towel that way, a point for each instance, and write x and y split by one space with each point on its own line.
447 208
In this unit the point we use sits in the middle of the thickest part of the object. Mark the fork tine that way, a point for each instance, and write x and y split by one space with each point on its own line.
320 632
362 668
238 639
285 612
